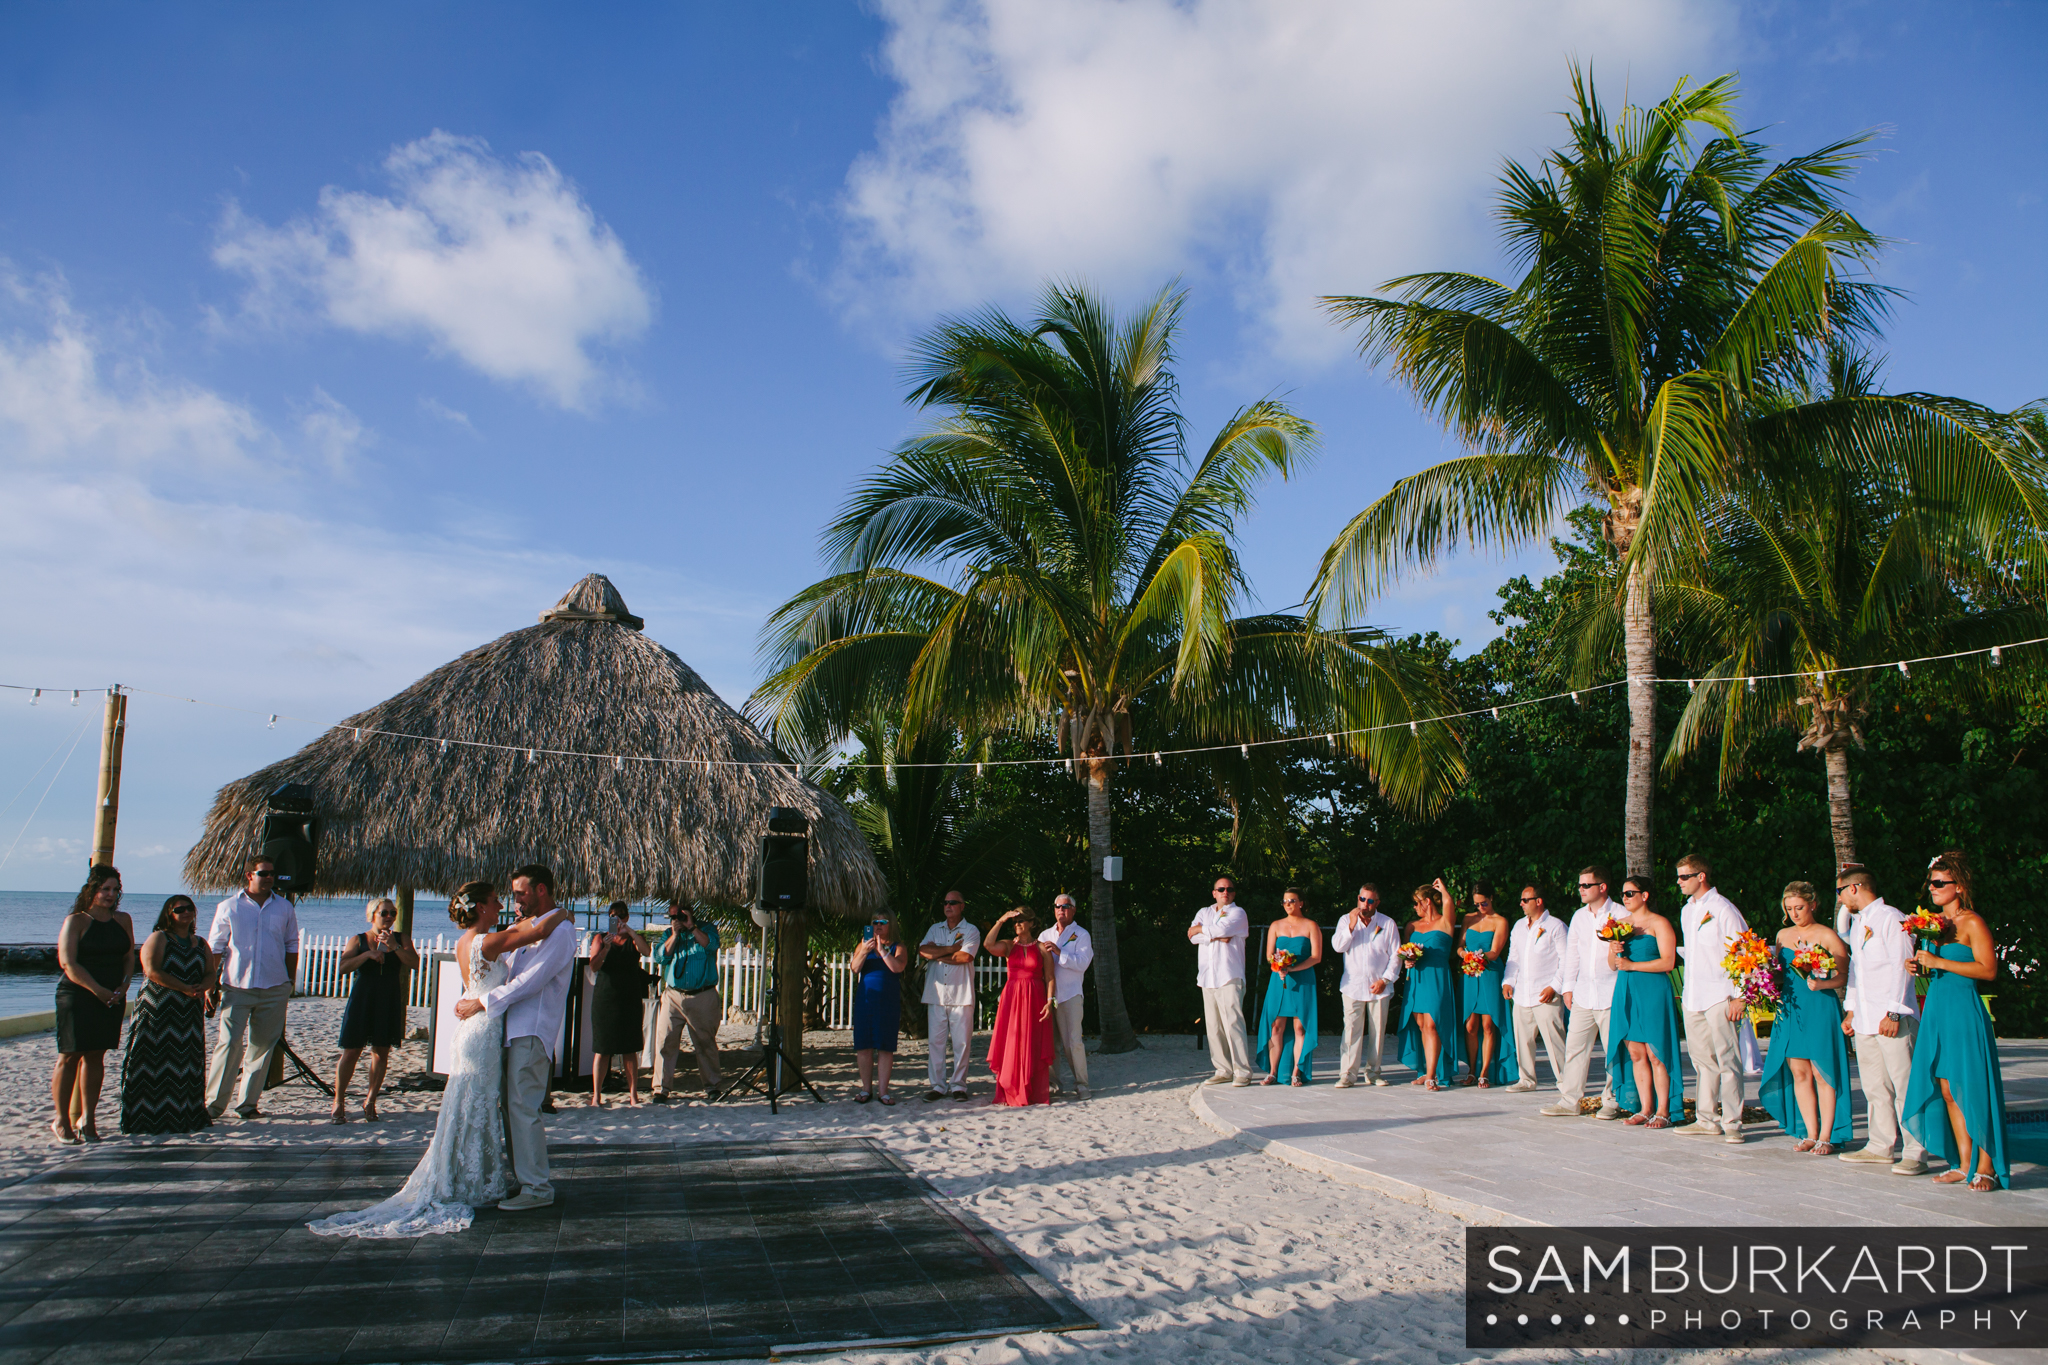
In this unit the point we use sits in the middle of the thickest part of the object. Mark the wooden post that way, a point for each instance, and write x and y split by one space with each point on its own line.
405 910
107 808
792 943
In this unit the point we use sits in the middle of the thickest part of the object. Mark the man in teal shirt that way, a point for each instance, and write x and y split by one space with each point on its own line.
686 961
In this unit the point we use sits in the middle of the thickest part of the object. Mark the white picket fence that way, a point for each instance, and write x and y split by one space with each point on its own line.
741 979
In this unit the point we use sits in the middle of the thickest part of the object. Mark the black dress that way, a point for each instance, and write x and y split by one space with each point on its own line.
375 1015
163 1074
83 1023
616 1006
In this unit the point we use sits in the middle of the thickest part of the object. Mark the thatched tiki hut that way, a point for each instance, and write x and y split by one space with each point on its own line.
676 815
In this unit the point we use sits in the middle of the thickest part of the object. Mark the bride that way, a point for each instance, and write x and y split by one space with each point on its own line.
465 1165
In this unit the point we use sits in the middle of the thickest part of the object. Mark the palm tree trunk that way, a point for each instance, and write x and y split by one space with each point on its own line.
1117 1033
1639 637
1841 819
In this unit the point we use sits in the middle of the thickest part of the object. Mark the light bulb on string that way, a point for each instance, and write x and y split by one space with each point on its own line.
444 746
618 764
74 691
1575 700
1413 729
36 697
1902 669
1245 749
272 725
1496 713
1997 658
1752 684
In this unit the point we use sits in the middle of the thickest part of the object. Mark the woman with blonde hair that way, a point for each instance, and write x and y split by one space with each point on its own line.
1955 1097
1806 1076
1430 1040
380 961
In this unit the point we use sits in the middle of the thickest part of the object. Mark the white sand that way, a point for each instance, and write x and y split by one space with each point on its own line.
1183 1245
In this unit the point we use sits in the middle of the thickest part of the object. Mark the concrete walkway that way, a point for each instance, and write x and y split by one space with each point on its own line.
1488 1157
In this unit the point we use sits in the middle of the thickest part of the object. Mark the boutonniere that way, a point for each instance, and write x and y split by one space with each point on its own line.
1867 932
1377 930
1539 930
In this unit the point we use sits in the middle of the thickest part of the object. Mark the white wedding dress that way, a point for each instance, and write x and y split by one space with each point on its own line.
465 1165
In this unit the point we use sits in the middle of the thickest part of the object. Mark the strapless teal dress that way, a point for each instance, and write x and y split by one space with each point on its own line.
1957 1044
1644 1011
1482 996
1432 989
1809 1025
1292 996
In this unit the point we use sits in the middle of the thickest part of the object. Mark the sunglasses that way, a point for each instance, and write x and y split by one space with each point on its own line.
1936 881
1368 900
264 876
184 909
1588 886
1226 888
1688 876
1631 895
1531 900
1062 905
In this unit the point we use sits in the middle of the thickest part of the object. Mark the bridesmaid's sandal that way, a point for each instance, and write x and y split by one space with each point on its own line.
1949 1177
339 1115
1485 1084
1420 1080
1297 1080
887 1098
90 1134
63 1136
1823 1149
1803 1145
1636 1120
1659 1122
1269 1080
1983 1184
369 1111
1438 1085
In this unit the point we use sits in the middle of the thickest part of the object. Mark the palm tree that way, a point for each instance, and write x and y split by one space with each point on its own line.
1667 291
1047 555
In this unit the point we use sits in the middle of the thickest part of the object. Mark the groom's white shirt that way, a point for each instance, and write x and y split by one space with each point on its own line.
535 992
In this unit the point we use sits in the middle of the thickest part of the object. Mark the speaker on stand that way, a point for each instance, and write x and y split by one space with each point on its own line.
782 886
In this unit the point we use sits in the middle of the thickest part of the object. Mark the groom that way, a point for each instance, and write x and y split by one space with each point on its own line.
531 1000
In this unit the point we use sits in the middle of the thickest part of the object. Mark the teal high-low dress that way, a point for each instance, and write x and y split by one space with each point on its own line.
1809 1025
1432 989
1482 996
1644 1011
1292 996
1957 1044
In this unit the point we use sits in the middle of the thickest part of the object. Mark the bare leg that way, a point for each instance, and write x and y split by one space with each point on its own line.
63 1080
344 1072
1646 1081
600 1070
1824 1129
1472 1044
885 1062
1431 1046
1663 1083
1965 1150
1300 1044
95 1073
1802 1093
865 1059
380 1060
1273 1049
631 1061
1491 1031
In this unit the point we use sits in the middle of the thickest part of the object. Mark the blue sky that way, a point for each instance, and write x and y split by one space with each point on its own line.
334 342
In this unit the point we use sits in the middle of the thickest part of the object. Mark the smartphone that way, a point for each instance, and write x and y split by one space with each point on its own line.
867 931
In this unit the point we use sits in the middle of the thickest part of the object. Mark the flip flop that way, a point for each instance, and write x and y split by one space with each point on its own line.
862 1097
888 1099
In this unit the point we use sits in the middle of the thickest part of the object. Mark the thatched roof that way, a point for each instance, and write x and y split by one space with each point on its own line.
402 812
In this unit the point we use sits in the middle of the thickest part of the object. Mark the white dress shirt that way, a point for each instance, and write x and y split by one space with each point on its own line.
252 940
1372 952
951 983
535 993
1075 951
1219 953
1588 979
1536 958
1880 967
1711 923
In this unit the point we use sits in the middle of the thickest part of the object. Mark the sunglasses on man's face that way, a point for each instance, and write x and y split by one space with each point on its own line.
1368 900
1531 900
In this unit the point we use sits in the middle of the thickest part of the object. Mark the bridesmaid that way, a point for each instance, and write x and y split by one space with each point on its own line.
96 956
1489 1027
1020 1046
1643 1026
1807 1072
1955 1058
1291 994
1429 1007
163 1073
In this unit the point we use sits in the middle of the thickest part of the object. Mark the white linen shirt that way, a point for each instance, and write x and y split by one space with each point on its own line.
1880 967
1711 923
253 940
1536 956
1588 978
534 996
1219 953
1372 953
1075 950
951 983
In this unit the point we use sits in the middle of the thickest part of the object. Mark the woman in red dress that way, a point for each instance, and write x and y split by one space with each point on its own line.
1020 1052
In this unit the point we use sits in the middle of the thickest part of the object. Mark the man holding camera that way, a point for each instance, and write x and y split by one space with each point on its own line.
687 963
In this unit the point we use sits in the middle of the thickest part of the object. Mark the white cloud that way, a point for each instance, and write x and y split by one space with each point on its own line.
434 407
497 262
1298 149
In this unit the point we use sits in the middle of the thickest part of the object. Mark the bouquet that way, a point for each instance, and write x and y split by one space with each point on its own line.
1411 953
1617 931
1814 960
1748 964
1284 961
1471 963
1928 929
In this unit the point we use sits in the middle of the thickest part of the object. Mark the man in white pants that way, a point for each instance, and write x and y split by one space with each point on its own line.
1881 1018
948 951
1589 995
1533 980
531 1000
1073 952
1219 933
1709 923
255 935
1371 946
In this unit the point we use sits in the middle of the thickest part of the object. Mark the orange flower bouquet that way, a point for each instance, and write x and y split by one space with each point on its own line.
1411 953
1814 960
1928 930
1471 963
1284 961
1748 964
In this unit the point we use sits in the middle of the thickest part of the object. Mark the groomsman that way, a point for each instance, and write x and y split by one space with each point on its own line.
1534 980
948 951
1219 933
1589 995
1881 1017
1371 945
1073 952
1712 1006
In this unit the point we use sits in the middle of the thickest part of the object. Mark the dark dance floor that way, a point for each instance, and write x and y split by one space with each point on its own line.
198 1253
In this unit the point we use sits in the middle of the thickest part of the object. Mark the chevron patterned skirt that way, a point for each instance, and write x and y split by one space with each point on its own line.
163 1074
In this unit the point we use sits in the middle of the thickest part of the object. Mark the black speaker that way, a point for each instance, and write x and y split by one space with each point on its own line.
291 837
785 871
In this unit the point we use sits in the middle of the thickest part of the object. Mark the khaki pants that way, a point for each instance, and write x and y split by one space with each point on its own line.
1361 1017
1223 1014
1883 1065
256 1017
944 1023
700 1013
1716 1065
1066 1033
528 1069
1588 1026
1547 1020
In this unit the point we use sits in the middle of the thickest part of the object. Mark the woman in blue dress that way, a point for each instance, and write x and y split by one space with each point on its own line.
1643 1029
1429 1004
1955 1098
1290 994
1806 1076
1489 1027
877 1006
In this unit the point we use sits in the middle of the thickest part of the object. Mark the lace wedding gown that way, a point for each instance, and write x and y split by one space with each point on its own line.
465 1164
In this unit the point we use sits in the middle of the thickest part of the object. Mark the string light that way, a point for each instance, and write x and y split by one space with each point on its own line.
1997 658
272 725
74 691
1752 684
1902 669
37 699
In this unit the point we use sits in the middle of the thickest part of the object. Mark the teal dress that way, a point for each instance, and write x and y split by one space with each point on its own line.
1957 1044
1292 996
1432 989
1809 1025
1644 1011
1482 996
